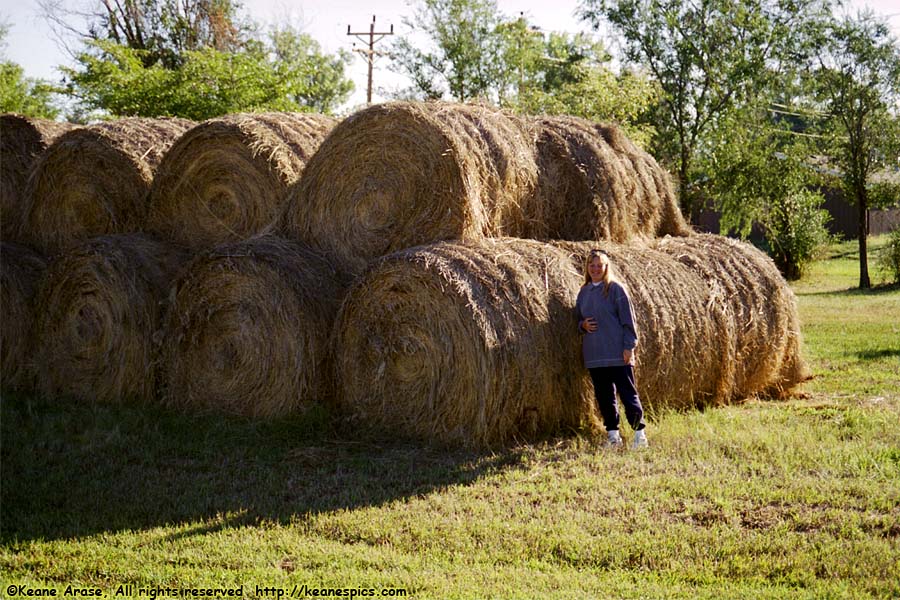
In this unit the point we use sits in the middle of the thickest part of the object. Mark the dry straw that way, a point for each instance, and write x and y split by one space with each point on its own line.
401 174
247 330
22 140
98 310
95 180
477 344
601 185
226 179
21 270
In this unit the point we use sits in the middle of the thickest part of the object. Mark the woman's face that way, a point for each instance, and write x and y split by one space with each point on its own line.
597 268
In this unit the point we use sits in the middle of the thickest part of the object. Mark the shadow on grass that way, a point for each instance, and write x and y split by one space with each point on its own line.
71 470
855 291
877 354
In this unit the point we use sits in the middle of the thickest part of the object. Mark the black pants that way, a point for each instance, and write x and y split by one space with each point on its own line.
608 381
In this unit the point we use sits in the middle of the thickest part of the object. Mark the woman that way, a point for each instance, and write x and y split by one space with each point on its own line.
609 338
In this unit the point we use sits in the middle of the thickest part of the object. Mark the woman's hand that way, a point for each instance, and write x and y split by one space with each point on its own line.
589 325
628 356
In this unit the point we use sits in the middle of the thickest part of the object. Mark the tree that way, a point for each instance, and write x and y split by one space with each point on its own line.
466 57
856 75
163 30
291 76
20 94
708 56
763 175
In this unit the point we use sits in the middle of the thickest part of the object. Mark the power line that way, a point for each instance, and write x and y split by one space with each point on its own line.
370 53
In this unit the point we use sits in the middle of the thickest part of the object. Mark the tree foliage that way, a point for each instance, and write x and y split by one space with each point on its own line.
855 74
708 57
293 76
20 94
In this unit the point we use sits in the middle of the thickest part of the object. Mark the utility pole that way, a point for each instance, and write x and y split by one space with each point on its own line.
370 53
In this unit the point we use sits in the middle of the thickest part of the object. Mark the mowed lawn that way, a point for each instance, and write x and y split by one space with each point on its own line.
770 499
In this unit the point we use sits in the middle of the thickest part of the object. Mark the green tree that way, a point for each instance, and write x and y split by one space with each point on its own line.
20 94
294 76
763 175
856 75
466 56
708 57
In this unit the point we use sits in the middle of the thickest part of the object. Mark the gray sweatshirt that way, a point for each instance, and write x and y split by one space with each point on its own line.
615 325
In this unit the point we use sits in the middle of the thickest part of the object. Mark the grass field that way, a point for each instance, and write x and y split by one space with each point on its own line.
790 499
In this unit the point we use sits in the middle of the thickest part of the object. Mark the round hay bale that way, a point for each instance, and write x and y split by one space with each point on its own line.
477 344
226 179
95 180
21 269
597 184
403 173
22 140
247 330
98 311
763 350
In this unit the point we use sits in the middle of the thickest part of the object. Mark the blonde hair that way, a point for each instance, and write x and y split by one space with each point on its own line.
608 276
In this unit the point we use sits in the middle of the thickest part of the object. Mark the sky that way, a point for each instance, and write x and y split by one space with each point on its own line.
31 43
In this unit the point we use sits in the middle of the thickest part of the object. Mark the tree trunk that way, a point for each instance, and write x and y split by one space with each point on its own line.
862 202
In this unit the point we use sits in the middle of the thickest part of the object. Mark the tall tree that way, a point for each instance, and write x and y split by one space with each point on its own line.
465 57
708 57
856 75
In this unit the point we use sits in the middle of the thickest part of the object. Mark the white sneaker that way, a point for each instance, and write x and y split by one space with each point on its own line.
613 439
640 440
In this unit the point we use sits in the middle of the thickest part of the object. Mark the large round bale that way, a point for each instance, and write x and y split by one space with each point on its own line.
21 269
226 179
22 140
599 185
400 174
763 349
95 180
477 344
98 310
247 330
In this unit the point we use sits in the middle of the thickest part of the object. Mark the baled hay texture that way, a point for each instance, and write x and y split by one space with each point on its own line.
22 140
98 311
226 179
95 180
478 344
399 174
247 330
21 270
763 354
601 185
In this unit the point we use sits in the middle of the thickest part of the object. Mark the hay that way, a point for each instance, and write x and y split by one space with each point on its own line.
98 310
21 270
477 344
602 185
22 140
95 180
762 353
401 174
226 179
247 331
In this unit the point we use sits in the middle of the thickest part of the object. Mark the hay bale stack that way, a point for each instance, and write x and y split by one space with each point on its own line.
226 179
21 270
477 344
400 174
602 185
247 330
763 349
22 140
98 310
94 181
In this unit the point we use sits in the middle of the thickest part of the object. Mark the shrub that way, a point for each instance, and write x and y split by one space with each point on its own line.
889 259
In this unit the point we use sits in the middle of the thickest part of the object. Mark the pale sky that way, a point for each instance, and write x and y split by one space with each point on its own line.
30 42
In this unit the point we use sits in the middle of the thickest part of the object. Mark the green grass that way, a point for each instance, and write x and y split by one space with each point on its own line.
793 499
